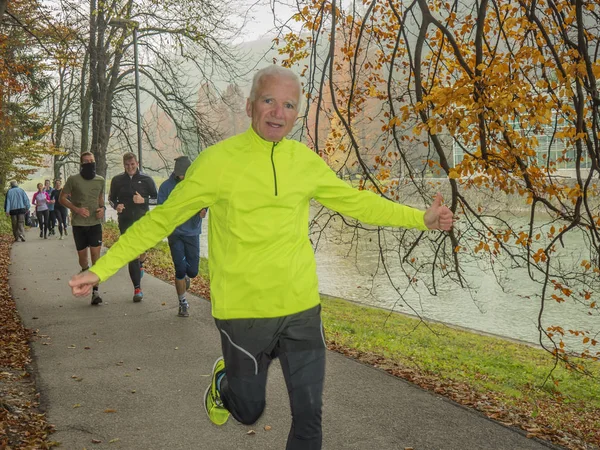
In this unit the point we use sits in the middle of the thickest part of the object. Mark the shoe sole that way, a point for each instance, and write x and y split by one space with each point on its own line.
208 390
215 364
137 299
205 397
206 409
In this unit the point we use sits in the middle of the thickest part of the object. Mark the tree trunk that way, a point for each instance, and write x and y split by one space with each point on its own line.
86 103
101 97
3 4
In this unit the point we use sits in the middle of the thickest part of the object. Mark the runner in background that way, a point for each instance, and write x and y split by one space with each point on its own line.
51 216
184 242
131 194
83 194
41 200
60 212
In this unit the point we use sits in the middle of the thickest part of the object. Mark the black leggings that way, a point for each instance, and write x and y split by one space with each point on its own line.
42 217
135 268
52 220
249 346
61 217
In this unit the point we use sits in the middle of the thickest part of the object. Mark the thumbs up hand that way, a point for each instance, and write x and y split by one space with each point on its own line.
138 199
438 216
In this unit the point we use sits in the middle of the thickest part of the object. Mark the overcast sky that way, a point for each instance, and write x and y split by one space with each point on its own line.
265 17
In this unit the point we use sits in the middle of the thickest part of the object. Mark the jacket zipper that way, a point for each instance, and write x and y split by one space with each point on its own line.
273 165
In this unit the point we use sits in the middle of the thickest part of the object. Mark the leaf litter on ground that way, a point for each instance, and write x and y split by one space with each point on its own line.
22 424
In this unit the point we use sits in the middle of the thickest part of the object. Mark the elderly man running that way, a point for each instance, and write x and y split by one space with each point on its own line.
265 299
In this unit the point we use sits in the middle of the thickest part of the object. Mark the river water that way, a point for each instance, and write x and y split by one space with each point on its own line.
350 271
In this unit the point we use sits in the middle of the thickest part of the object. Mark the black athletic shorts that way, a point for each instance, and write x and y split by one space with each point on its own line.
85 237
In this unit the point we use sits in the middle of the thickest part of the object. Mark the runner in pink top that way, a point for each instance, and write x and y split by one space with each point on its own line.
41 200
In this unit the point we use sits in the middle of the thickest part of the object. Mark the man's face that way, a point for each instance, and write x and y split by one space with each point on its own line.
88 159
275 108
47 183
131 166
57 184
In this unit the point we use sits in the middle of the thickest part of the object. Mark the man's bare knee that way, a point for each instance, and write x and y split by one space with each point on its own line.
95 254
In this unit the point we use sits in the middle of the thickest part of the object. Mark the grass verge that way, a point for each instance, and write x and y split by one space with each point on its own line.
512 383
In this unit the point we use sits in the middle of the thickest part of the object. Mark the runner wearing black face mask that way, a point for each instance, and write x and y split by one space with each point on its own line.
83 194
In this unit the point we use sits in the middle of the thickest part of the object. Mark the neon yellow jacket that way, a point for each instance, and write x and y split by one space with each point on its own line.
261 261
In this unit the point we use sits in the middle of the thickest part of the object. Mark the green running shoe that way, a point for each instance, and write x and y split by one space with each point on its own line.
217 413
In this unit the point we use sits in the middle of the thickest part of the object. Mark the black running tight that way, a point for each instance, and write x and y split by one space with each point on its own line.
61 217
42 217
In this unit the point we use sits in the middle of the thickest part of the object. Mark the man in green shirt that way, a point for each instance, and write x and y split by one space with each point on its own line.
83 194
264 291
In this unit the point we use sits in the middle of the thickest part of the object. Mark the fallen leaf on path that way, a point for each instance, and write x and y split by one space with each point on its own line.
251 432
267 427
96 441
109 410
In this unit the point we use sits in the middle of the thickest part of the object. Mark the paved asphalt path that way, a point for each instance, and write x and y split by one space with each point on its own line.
133 375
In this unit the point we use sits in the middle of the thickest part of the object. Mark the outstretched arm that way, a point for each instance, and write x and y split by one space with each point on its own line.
370 208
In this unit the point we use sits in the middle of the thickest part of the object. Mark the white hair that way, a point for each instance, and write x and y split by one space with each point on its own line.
274 70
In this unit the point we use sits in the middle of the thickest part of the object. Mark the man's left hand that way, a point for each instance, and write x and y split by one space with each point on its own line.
438 216
100 213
